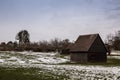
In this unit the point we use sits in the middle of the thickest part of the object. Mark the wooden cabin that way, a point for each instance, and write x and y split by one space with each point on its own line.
88 48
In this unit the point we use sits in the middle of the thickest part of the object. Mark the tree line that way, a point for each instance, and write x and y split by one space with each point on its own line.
23 44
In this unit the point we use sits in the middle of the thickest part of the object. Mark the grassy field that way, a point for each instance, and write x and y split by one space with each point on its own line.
52 66
28 74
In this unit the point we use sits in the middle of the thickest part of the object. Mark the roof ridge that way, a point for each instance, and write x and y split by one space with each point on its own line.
89 34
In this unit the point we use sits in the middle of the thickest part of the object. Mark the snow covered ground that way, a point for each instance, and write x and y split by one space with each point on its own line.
31 58
50 62
115 54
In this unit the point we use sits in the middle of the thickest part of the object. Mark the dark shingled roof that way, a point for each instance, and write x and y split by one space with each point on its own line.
84 42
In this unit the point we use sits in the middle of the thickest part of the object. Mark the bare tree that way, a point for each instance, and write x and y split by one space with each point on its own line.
109 39
55 43
114 40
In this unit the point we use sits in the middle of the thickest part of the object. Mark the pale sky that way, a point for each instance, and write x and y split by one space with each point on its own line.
47 19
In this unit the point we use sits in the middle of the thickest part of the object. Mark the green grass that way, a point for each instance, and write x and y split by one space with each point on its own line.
28 74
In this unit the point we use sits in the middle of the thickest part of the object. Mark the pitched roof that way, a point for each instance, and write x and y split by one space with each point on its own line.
84 42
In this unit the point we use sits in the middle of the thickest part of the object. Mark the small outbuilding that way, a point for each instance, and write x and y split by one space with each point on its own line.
88 48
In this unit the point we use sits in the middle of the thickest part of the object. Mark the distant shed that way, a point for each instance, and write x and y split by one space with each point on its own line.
88 48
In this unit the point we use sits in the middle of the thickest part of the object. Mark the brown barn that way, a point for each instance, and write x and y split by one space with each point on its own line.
88 48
